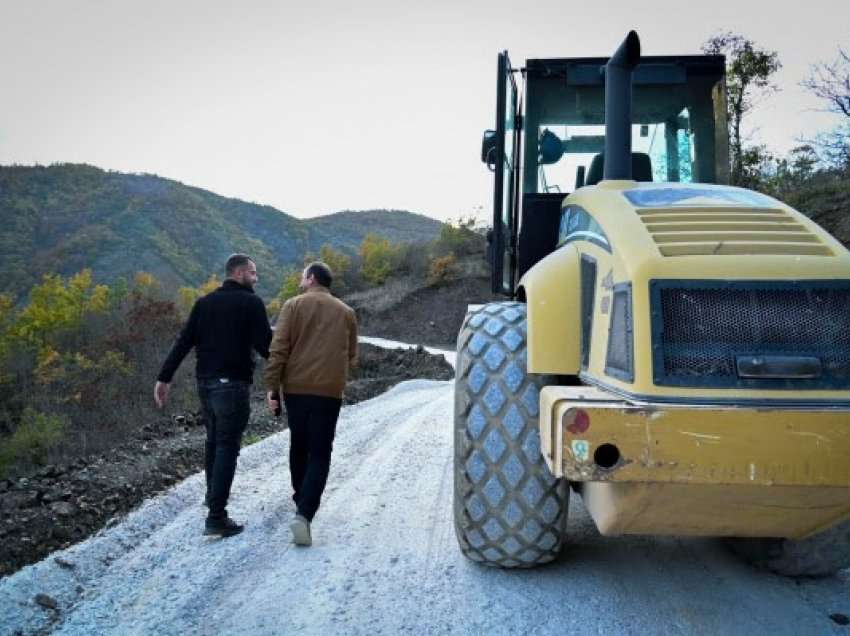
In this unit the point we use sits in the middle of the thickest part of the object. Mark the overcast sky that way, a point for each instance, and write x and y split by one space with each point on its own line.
328 105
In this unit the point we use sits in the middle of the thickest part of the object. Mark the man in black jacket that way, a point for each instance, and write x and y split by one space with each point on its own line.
224 326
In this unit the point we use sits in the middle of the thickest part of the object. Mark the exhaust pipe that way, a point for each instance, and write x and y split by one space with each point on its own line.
618 108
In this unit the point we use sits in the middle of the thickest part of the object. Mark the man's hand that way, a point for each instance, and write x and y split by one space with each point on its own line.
273 402
160 393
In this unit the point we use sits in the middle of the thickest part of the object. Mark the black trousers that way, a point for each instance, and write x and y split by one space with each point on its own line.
226 407
312 422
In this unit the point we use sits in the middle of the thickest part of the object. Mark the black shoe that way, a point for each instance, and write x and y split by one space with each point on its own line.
224 527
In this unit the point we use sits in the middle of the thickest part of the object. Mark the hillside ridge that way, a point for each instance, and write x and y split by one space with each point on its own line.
65 217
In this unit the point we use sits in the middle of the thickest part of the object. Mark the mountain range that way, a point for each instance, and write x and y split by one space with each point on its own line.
66 217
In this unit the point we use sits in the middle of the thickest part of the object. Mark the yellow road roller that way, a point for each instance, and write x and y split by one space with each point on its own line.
672 349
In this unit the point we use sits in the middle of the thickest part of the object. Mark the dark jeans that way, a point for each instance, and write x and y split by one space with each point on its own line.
226 408
312 422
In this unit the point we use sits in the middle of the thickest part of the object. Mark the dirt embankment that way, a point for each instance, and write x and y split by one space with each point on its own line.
65 503
430 315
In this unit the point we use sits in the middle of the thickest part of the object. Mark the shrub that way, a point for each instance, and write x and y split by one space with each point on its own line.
379 258
290 285
36 434
414 260
458 238
442 268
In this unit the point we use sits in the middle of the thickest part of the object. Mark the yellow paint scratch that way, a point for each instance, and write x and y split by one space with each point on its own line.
820 438
712 438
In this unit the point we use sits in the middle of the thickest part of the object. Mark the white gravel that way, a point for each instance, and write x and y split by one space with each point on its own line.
385 560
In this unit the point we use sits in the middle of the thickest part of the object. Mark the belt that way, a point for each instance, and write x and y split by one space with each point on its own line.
221 381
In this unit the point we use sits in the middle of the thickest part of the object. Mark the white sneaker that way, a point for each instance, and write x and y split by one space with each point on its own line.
300 528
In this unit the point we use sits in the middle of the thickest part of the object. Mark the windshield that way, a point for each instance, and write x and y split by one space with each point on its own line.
669 146
679 127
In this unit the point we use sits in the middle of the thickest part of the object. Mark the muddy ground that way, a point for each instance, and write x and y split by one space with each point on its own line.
65 503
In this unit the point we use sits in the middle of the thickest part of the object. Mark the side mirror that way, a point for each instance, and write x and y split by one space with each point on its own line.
488 149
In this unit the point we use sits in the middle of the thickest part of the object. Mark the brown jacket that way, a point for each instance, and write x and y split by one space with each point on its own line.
314 344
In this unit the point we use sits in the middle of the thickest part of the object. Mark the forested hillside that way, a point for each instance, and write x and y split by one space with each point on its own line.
63 218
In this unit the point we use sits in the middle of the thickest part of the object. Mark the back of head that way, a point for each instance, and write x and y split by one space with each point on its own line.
235 262
321 272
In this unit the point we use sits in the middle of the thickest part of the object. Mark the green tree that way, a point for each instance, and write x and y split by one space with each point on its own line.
458 237
748 78
339 263
56 305
118 292
7 316
378 258
757 166
289 287
85 296
188 295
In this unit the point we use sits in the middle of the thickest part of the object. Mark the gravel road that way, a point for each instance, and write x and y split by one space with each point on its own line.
385 560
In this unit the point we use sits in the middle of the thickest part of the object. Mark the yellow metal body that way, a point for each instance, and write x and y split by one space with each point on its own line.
557 350
661 469
692 460
734 243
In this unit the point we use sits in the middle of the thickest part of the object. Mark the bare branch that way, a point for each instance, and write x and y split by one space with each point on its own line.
831 83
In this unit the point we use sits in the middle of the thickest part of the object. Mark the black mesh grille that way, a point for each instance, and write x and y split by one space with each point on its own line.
618 362
588 288
704 327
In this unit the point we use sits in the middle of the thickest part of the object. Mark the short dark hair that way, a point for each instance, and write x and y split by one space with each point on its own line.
235 261
321 272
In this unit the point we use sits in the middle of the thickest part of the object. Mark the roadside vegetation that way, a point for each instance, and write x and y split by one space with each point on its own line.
78 359
380 267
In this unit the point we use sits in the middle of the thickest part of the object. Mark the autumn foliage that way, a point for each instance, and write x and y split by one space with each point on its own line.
78 359
76 365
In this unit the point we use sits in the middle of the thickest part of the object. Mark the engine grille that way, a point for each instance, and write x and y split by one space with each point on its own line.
700 327
717 231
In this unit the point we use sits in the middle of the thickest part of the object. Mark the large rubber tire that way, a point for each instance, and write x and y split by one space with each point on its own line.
823 554
509 510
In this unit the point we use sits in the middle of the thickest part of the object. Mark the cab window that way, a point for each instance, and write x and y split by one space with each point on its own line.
578 225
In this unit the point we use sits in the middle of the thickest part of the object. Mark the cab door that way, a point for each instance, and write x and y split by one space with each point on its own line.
505 163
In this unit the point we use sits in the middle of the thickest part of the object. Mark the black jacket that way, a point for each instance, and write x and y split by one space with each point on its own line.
223 327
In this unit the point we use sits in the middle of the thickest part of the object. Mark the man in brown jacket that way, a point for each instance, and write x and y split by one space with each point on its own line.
314 345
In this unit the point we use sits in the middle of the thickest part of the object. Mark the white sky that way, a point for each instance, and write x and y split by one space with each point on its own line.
329 105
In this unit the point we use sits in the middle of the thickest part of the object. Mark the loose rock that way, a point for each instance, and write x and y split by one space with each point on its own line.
48 602
841 619
63 508
64 563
